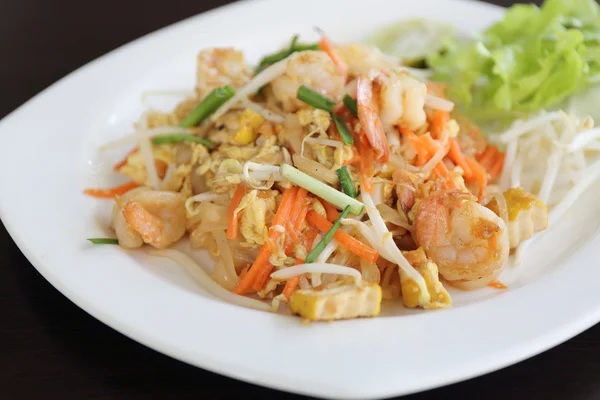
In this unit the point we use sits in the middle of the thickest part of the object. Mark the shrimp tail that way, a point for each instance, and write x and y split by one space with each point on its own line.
368 115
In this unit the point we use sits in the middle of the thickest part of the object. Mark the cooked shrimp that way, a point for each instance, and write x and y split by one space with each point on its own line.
402 99
368 114
465 239
313 69
151 216
362 59
218 67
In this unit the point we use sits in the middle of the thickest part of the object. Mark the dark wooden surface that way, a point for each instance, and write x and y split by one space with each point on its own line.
49 348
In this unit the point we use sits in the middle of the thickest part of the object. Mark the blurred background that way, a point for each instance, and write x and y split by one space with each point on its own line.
49 348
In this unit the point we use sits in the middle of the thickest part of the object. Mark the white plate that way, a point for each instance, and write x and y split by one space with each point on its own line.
49 153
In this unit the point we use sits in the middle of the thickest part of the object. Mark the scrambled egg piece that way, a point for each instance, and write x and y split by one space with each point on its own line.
527 215
339 300
256 215
410 290
249 122
135 168
318 119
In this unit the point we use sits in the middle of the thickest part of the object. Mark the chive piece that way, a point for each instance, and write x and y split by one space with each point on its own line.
322 190
280 55
315 99
175 138
351 104
342 129
346 182
209 105
103 241
314 253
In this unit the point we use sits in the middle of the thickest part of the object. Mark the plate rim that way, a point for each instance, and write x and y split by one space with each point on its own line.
553 338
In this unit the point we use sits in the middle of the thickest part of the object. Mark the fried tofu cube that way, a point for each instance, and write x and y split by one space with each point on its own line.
439 296
339 300
527 215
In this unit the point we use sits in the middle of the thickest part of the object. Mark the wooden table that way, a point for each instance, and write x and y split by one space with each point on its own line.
50 349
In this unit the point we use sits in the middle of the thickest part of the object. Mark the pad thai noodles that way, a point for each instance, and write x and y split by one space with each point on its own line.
331 176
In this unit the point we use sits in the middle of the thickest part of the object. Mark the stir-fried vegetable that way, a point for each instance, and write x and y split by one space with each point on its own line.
166 139
348 242
312 256
328 193
346 182
208 105
342 128
351 104
315 99
104 241
280 55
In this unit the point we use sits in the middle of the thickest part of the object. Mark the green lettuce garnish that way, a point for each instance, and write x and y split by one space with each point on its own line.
533 59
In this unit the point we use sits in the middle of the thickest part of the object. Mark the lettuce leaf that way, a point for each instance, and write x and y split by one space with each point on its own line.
533 59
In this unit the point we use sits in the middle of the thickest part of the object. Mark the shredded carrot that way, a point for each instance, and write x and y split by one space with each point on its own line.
439 123
486 159
309 237
326 46
331 211
353 245
122 163
112 192
233 217
298 203
457 157
244 271
296 226
261 268
480 175
290 285
497 285
262 260
496 169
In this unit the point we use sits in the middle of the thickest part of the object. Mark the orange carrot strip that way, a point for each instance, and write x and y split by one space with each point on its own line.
497 285
496 169
439 123
480 175
244 271
282 214
486 158
458 158
348 242
112 192
331 211
298 203
309 237
233 217
442 171
261 262
326 46
122 163
290 285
